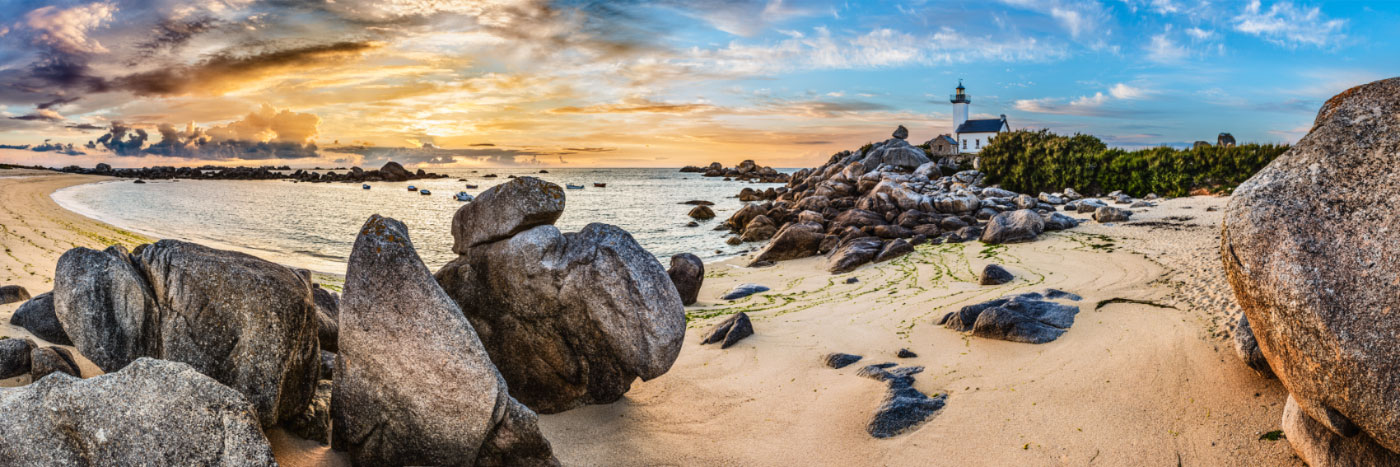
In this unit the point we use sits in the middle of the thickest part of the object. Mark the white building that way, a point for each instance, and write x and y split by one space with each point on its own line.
972 135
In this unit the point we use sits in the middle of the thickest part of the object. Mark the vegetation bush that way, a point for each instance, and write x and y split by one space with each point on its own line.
1035 161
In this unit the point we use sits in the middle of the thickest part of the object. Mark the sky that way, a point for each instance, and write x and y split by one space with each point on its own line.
490 83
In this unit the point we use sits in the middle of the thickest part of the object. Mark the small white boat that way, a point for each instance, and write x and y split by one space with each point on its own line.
573 186
424 192
464 196
412 188
365 186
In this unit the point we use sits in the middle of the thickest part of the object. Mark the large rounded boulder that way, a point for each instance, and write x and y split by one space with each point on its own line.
153 412
1312 249
248 323
568 318
505 210
37 316
413 384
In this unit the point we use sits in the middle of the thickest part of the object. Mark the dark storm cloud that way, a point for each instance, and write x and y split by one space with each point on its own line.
84 127
123 140
171 34
233 66
38 117
66 149
57 102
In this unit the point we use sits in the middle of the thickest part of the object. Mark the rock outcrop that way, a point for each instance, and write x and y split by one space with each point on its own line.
152 412
746 171
247 323
884 193
37 317
568 318
396 321
687 273
1309 245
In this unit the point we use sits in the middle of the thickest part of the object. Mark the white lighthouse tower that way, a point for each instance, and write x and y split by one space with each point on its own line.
960 102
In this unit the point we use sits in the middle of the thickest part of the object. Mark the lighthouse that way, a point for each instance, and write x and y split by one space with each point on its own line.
960 102
972 135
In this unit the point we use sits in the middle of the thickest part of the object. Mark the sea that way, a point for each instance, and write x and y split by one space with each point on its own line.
313 225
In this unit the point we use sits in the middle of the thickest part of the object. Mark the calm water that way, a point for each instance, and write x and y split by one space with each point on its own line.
313 225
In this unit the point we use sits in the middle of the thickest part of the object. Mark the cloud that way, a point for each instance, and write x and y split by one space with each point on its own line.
1200 34
1124 91
227 70
1285 24
65 149
1163 49
635 104
266 133
66 29
41 114
1095 105
84 126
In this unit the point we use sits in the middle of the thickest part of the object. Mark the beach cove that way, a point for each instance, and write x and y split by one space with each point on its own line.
1147 380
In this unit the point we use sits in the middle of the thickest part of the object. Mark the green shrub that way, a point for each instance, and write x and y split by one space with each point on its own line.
1036 161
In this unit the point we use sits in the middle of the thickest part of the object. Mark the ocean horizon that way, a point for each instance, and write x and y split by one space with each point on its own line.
313 225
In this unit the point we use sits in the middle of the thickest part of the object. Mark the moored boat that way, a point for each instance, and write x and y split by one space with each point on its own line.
412 188
365 186
573 186
424 192
464 196
471 186
600 185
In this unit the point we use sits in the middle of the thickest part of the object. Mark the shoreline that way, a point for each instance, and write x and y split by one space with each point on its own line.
1128 382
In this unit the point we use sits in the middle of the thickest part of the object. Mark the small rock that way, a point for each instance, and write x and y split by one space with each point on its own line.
1248 348
743 291
762 264
995 275
901 132
733 240
692 224
1212 209
12 294
1028 317
840 360
14 357
687 273
47 360
315 422
37 317
905 353
327 365
702 212
729 331
1015 226
1107 214
1319 446
904 408
852 280
894 249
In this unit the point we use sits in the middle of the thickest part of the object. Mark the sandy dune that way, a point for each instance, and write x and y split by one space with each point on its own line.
1129 384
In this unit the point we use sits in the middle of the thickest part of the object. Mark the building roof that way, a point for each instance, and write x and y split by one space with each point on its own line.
990 125
947 138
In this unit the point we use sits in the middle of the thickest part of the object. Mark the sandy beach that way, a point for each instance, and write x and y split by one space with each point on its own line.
1146 376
